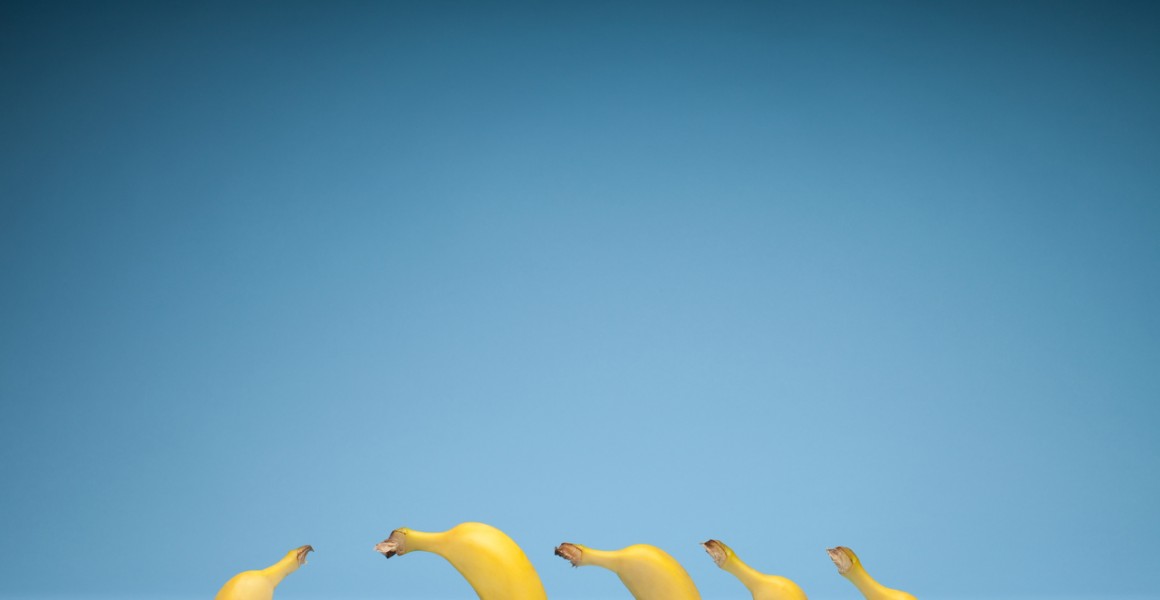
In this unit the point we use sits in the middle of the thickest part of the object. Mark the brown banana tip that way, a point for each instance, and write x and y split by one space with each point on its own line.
570 553
394 545
841 557
715 551
386 549
302 551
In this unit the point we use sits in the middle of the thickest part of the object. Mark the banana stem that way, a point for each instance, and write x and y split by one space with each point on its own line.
851 568
403 540
748 576
583 556
289 563
865 583
396 543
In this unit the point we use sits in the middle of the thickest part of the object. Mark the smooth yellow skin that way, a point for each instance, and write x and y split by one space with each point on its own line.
494 565
648 572
259 585
761 585
851 568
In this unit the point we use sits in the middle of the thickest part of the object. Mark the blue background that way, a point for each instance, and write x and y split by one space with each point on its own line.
789 275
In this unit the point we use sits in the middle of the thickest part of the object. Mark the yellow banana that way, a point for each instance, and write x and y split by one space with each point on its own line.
492 563
851 568
259 585
648 572
762 586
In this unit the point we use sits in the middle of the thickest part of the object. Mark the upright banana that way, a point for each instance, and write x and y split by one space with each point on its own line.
648 572
259 585
492 563
762 586
851 568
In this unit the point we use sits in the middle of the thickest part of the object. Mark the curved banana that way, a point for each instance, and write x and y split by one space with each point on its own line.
648 572
488 559
762 586
259 585
851 568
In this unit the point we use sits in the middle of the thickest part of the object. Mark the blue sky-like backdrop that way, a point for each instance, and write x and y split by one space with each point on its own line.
785 274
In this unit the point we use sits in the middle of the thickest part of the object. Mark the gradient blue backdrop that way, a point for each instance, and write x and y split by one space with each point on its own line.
790 275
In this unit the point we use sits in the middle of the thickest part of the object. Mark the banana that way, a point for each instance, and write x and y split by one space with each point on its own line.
762 586
851 568
259 585
492 563
648 572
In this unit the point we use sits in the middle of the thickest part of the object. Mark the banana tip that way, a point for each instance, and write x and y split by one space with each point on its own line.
395 544
570 552
841 556
716 551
